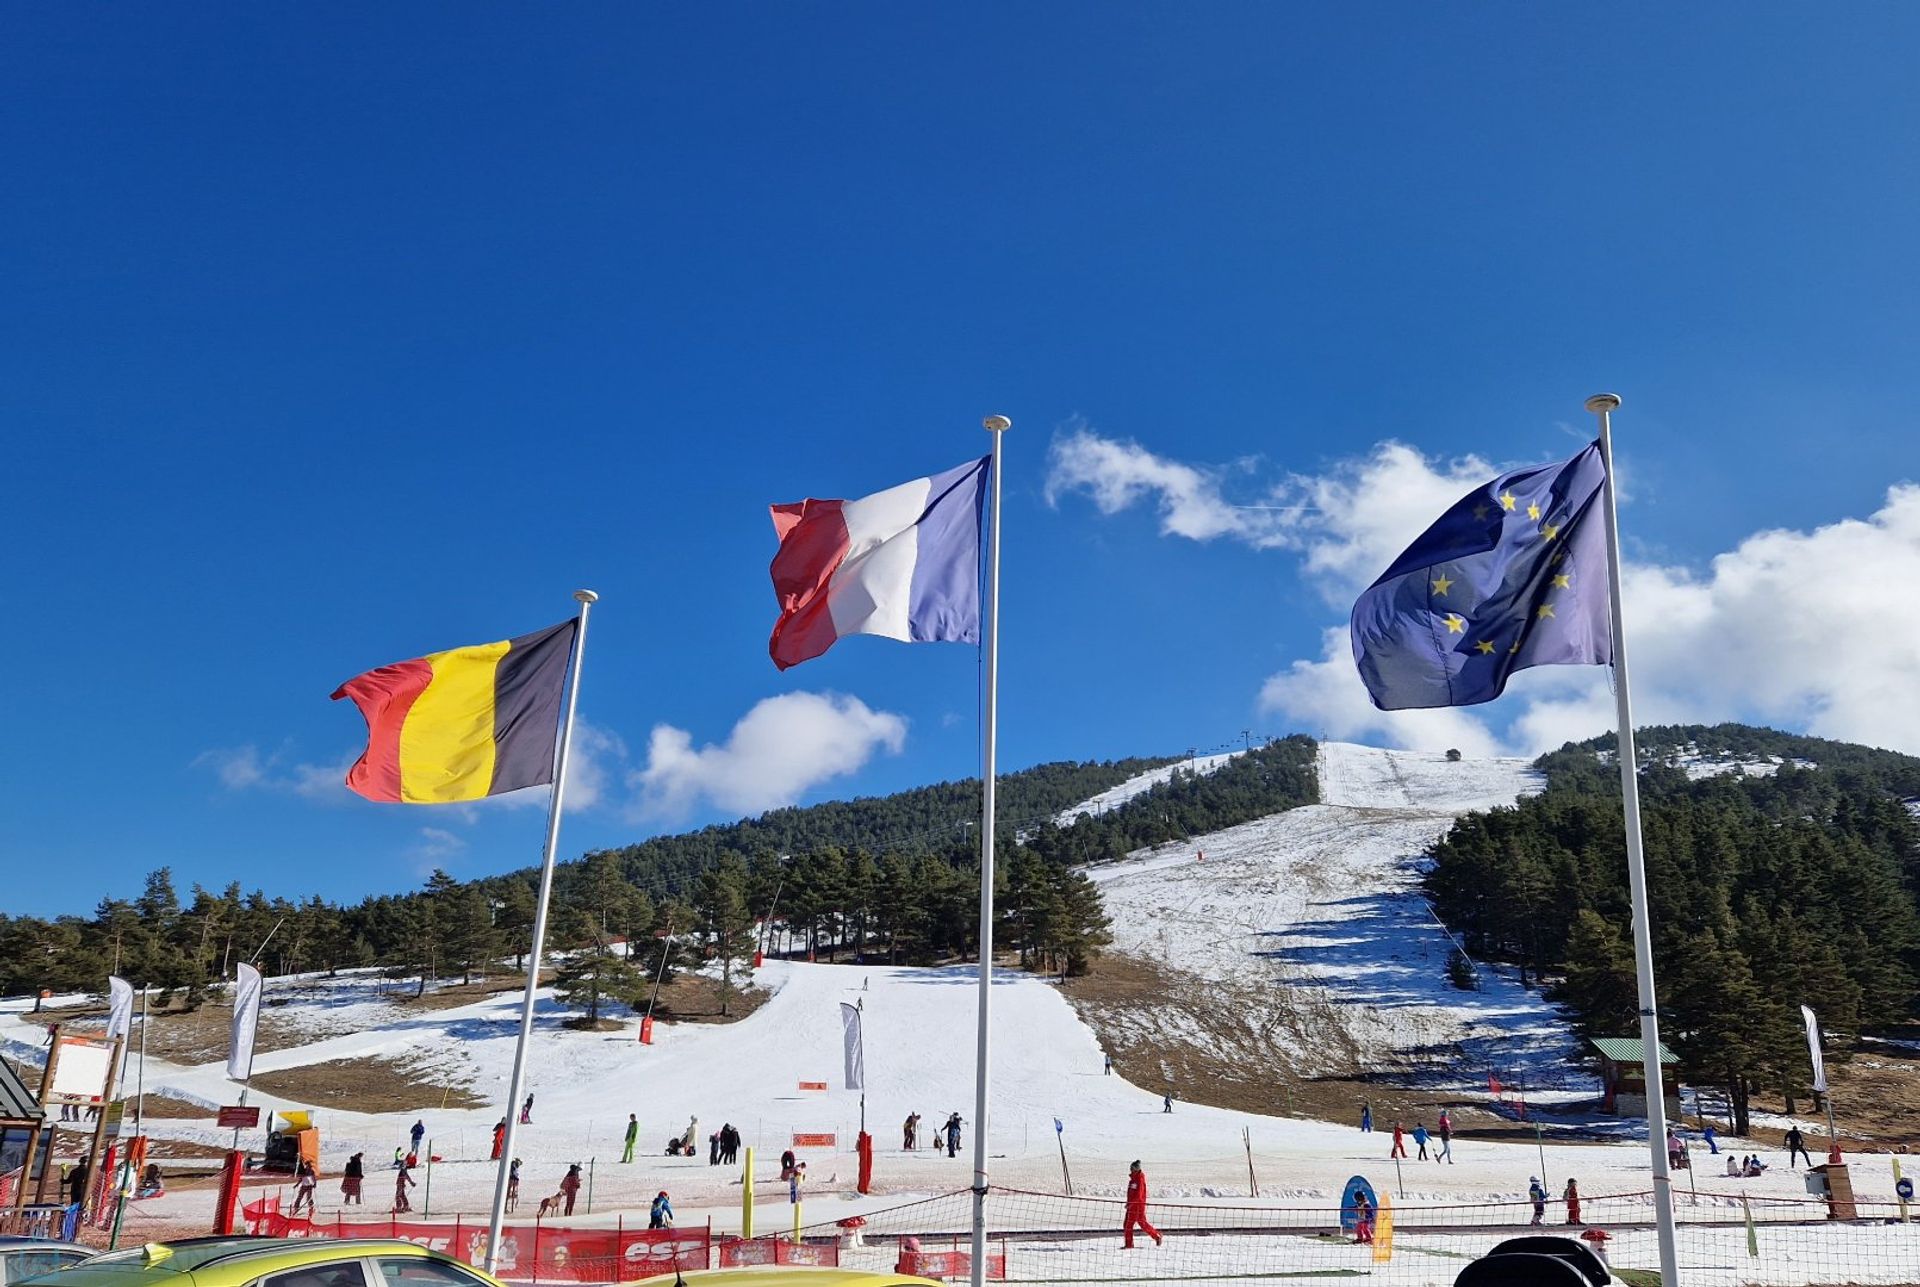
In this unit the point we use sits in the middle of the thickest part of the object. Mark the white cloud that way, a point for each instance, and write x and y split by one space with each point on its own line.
1325 698
437 842
779 750
245 768
1809 630
1118 474
1805 630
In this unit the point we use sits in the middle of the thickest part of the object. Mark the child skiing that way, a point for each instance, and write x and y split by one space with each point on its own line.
402 1181
633 1133
660 1215
1537 1193
1572 1198
513 1184
1399 1141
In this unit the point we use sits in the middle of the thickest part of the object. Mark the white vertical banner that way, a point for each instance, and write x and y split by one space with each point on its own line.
856 1055
246 1020
1813 1049
119 1007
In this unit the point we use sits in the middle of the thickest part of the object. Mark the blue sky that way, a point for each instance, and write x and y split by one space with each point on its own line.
337 335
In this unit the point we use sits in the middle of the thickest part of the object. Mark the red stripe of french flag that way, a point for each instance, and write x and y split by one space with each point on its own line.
903 563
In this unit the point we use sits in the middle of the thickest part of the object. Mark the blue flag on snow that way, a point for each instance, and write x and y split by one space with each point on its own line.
1513 575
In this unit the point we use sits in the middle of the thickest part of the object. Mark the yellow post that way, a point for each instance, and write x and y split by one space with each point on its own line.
1383 1230
796 1224
746 1198
1896 1190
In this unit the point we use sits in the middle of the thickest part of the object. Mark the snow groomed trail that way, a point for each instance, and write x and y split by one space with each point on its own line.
1309 931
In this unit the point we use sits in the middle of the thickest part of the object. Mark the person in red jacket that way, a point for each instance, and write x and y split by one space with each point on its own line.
1137 1206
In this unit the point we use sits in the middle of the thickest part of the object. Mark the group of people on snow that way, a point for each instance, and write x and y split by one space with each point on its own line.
1442 1153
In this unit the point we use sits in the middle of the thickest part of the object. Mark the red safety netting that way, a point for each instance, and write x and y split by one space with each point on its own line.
528 1252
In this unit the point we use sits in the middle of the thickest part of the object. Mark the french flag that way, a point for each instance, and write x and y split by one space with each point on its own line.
903 564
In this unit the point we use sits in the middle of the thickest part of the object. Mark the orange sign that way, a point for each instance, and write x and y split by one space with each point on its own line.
803 1140
813 1085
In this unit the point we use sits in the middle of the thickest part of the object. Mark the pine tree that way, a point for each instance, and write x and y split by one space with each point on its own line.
721 903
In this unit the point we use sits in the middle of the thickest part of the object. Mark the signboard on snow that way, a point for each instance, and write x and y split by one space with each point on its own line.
81 1068
803 1139
813 1085
238 1117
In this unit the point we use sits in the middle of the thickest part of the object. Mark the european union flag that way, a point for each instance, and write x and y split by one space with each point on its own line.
1513 575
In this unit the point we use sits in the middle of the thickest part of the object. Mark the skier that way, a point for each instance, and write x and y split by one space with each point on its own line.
1713 1144
797 1178
513 1185
1420 1139
304 1183
399 1156
1399 1141
418 1133
660 1214
633 1133
571 1186
350 1180
907 1131
526 1110
1137 1208
1797 1143
953 1135
1362 1217
1166 1102
1537 1193
1446 1139
499 1139
1572 1198
713 1149
402 1181
1366 1118
1109 1063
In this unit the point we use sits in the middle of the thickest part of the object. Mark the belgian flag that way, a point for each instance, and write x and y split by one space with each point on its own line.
462 724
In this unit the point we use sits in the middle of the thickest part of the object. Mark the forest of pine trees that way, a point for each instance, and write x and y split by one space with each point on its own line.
891 879
1765 893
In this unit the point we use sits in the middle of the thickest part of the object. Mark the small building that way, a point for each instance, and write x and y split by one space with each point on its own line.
1623 1077
21 1120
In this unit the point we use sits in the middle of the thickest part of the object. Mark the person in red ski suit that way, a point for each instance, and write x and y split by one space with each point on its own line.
1137 1206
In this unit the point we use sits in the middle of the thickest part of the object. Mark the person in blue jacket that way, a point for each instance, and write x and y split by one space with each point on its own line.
1366 1118
660 1216
1420 1139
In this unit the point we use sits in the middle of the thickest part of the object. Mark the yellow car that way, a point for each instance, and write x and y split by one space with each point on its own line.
784 1276
273 1262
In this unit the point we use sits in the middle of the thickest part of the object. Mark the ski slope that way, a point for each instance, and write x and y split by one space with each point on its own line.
1308 926
1115 796
1305 925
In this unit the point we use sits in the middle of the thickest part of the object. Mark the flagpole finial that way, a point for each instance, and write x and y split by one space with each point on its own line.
996 424
1603 402
586 596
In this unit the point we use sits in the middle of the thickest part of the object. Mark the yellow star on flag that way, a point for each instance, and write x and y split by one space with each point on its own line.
1485 647
1480 513
1550 531
1533 511
1546 610
1506 500
1455 623
1441 585
1562 581
1516 646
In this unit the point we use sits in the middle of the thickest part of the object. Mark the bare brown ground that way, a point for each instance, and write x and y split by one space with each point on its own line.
695 998
1166 1029
1142 1013
365 1086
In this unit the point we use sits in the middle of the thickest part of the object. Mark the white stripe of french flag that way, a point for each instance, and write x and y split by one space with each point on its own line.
903 563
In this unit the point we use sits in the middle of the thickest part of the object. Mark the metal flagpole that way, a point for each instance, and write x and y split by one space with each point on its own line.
997 426
586 599
1602 405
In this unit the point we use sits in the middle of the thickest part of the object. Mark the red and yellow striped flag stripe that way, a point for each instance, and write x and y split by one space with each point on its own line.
462 724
